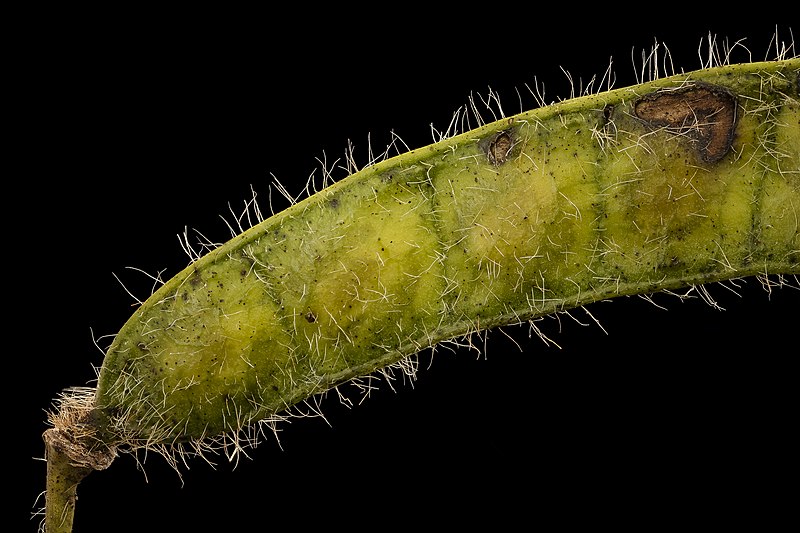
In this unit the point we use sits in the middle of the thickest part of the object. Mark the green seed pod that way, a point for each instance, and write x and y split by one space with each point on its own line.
682 181
685 180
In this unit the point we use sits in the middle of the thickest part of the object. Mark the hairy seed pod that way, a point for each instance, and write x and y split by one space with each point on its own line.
682 181
685 180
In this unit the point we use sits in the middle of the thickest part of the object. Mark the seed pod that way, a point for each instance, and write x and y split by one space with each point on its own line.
685 180
682 181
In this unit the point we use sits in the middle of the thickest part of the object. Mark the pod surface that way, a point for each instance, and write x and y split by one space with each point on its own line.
685 180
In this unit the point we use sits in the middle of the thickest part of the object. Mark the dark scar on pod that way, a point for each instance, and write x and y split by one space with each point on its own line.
499 148
705 114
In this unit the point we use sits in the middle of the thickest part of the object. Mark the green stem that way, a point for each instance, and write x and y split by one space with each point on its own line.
72 453
63 477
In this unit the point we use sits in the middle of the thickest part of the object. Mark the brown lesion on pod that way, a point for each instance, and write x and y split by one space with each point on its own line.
498 147
196 279
703 113
608 112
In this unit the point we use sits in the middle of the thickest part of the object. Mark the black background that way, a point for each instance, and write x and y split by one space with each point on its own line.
137 125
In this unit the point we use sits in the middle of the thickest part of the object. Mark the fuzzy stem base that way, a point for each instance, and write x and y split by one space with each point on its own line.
63 477
72 450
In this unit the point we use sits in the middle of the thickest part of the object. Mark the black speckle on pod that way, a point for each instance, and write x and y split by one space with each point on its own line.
311 317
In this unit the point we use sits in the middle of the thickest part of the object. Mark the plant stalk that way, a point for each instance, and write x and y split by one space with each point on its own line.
63 477
72 451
